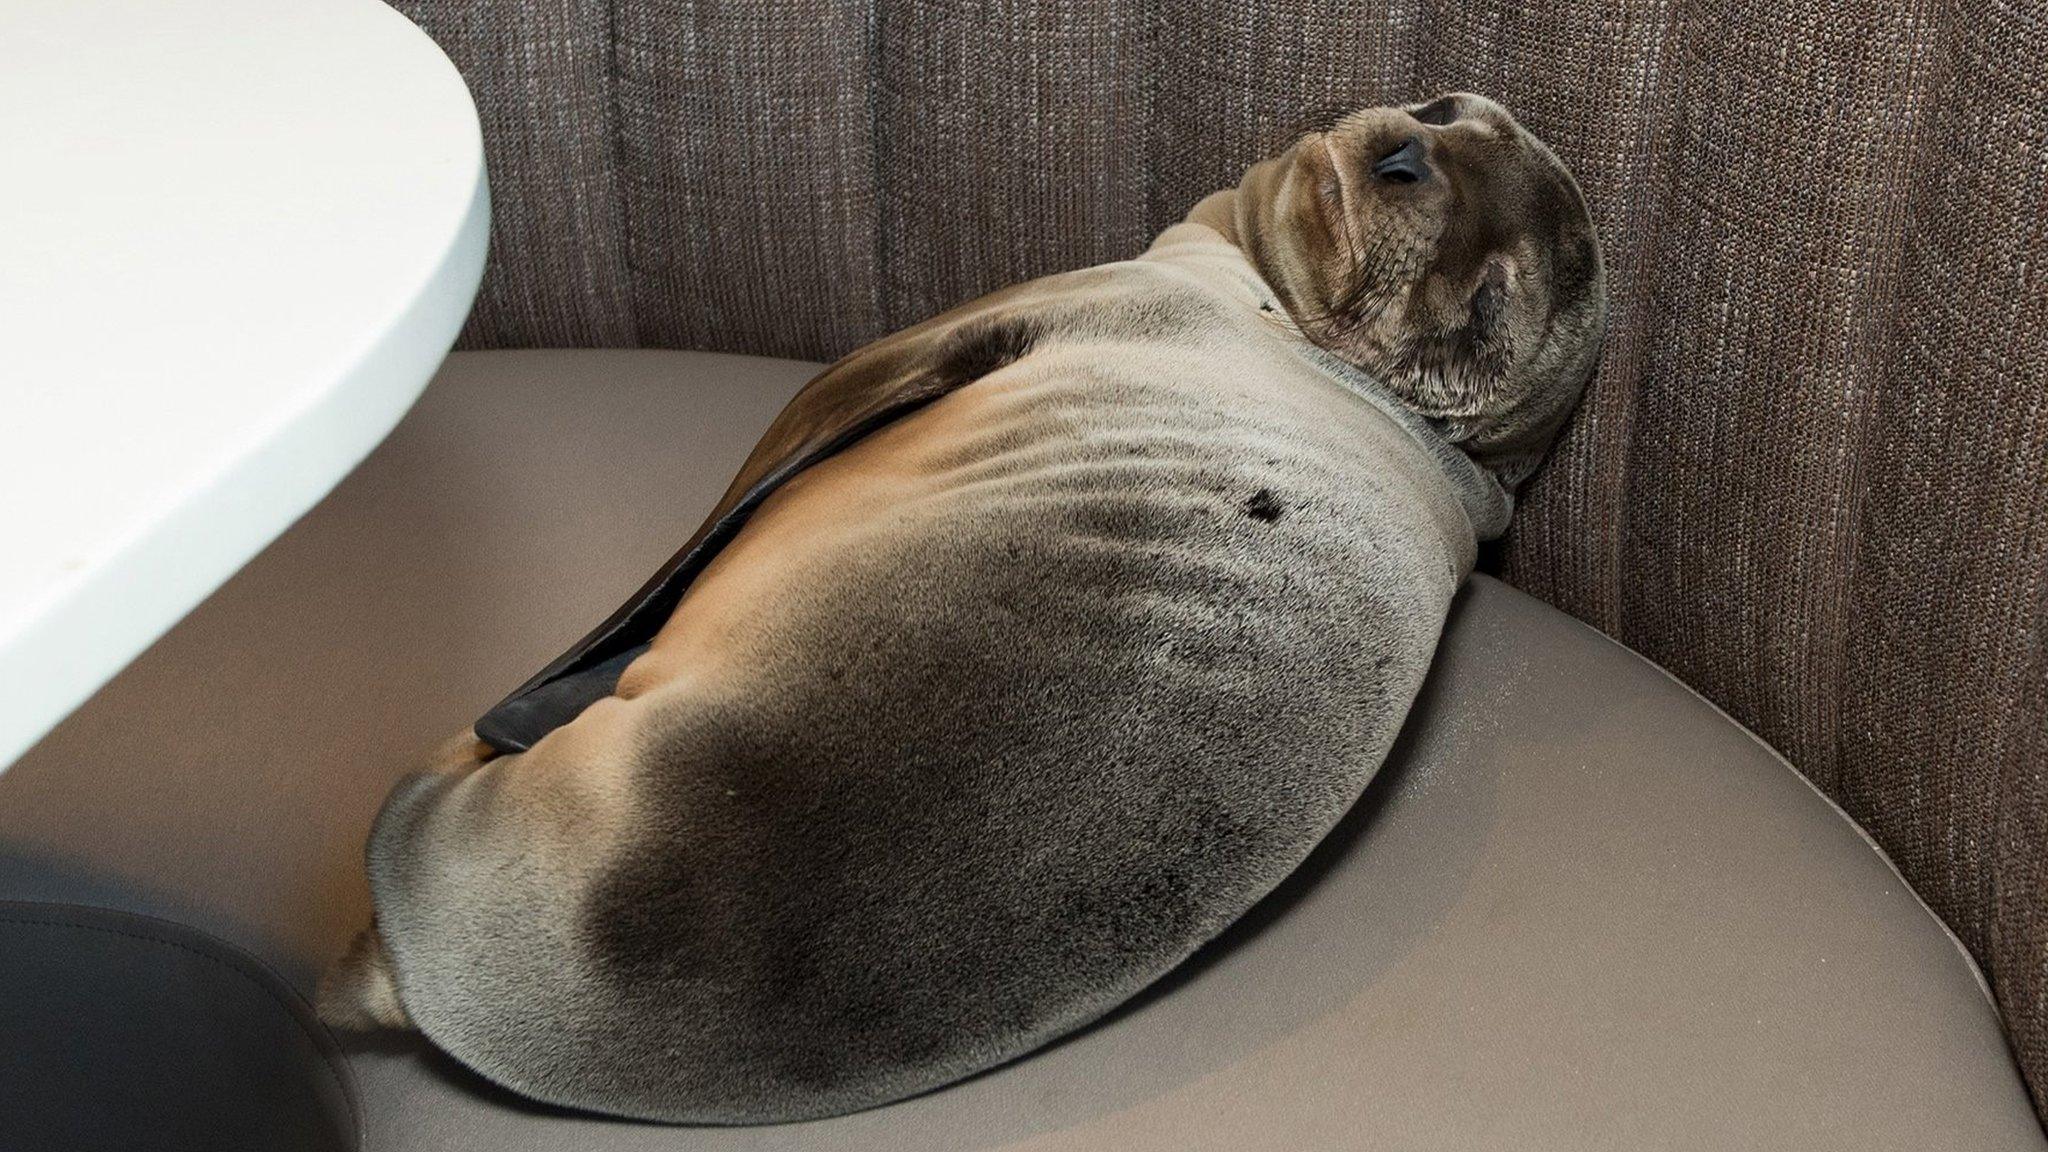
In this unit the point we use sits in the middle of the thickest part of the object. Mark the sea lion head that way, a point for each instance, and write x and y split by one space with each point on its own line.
1442 248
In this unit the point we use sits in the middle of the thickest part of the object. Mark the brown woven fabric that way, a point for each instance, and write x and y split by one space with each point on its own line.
1811 478
541 75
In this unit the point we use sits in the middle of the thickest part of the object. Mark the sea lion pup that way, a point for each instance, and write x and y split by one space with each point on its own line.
1032 646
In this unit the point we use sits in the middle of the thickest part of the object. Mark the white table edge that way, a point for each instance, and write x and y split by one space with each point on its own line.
116 610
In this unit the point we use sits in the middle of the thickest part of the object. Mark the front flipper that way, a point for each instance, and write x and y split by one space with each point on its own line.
875 386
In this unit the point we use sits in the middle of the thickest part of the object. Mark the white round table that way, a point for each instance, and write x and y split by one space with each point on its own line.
236 238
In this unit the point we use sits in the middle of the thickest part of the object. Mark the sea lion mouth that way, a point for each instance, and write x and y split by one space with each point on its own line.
1340 185
1339 196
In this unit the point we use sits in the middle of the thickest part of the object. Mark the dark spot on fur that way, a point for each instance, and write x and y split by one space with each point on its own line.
1264 506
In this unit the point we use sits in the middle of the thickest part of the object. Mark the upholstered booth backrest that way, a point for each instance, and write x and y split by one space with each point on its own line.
1811 477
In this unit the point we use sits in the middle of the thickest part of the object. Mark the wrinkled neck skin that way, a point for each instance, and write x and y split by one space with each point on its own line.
1225 215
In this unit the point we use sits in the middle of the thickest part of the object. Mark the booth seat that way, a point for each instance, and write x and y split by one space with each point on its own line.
1579 908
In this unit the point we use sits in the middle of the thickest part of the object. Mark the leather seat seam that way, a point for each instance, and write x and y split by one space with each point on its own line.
296 1008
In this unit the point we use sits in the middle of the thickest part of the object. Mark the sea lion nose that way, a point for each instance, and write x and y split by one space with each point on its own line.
1405 164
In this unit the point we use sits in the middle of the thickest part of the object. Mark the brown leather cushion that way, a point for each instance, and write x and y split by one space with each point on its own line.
1580 908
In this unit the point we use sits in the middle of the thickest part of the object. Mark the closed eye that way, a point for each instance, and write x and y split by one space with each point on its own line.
1439 112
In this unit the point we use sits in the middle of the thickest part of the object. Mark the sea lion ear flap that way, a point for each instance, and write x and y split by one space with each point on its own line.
1476 355
1489 303
1459 349
872 387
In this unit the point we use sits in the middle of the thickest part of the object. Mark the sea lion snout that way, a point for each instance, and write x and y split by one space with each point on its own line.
1406 164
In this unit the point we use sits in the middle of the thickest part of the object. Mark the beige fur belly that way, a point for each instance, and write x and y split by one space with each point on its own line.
1025 435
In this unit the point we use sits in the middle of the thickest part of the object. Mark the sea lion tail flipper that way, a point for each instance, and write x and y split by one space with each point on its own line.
360 992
